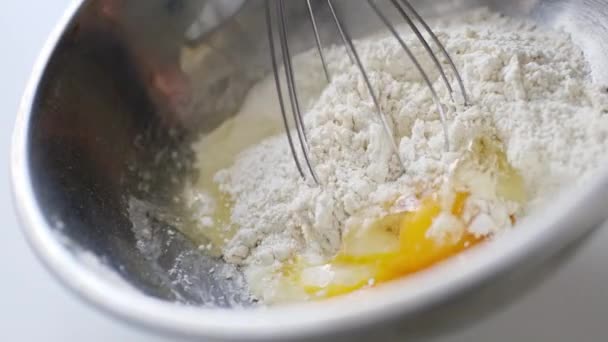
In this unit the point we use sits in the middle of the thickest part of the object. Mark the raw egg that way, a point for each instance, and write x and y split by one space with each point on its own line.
393 246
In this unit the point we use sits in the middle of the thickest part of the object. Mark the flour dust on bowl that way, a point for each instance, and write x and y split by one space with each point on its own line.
153 174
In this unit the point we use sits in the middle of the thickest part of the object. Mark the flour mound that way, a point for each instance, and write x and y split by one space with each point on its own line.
527 86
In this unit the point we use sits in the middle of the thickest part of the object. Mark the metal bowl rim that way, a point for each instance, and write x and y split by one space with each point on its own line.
550 231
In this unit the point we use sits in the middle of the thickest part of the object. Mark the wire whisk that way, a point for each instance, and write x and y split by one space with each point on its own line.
415 22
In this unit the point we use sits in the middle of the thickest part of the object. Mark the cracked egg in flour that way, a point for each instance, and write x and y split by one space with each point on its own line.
481 196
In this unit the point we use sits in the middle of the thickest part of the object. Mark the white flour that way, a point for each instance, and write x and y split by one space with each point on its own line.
527 86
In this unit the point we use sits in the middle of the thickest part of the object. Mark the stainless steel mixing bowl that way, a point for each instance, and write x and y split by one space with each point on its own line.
101 147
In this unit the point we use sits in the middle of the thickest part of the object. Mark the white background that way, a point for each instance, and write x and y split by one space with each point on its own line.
571 306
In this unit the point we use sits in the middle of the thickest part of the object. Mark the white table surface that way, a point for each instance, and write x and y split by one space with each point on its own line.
571 306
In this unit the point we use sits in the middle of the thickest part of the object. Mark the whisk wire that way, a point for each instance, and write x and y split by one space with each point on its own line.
289 75
350 46
426 46
291 88
444 51
277 81
315 30
418 66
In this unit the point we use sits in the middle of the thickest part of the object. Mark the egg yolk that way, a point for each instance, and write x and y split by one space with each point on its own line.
394 246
